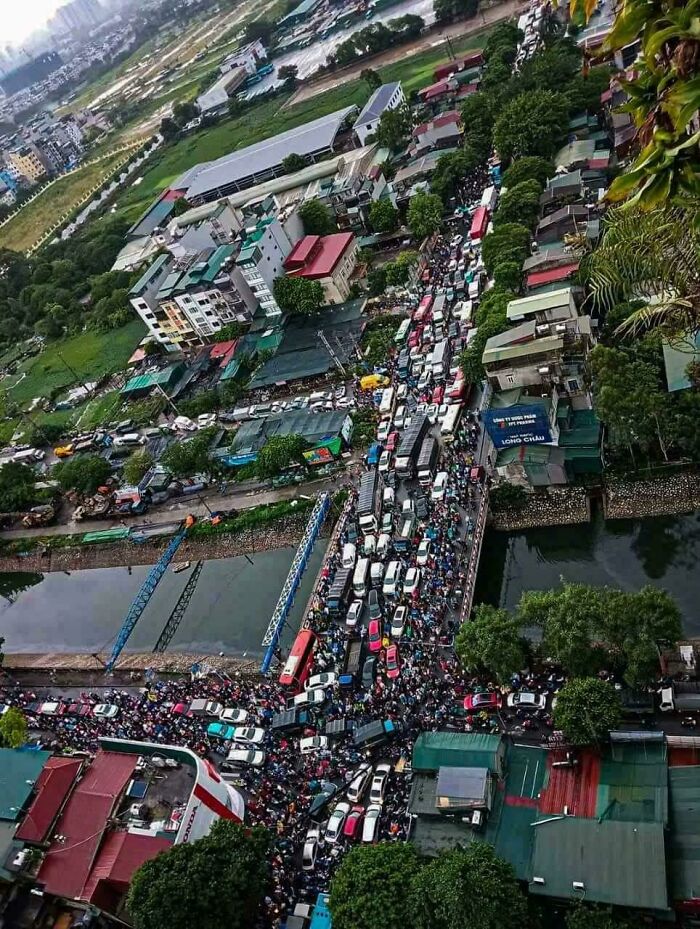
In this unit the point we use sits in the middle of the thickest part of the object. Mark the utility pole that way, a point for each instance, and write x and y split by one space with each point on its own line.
72 370
334 357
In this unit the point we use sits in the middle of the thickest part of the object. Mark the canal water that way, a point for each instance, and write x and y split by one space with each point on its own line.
82 611
663 551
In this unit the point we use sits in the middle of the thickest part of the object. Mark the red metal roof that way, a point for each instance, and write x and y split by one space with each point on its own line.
575 788
434 90
538 278
451 116
302 251
466 89
606 96
121 855
219 349
327 252
66 867
603 162
52 786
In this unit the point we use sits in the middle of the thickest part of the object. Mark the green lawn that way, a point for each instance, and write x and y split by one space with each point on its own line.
90 355
268 118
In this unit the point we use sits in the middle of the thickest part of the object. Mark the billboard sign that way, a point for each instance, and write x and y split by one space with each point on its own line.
518 425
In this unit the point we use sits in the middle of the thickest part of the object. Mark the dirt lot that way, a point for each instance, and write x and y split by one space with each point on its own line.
488 17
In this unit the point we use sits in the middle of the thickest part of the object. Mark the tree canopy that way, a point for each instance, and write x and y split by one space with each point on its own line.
185 459
84 473
17 491
530 168
299 295
491 641
13 728
279 453
293 163
317 218
446 11
394 127
136 465
533 123
519 204
424 215
217 881
587 709
383 216
371 888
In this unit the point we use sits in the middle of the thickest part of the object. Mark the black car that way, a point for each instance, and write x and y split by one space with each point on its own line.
369 672
323 797
375 606
421 505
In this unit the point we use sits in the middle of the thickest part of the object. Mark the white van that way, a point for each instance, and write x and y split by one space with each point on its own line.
439 486
377 573
359 578
667 702
383 544
349 555
392 579
131 438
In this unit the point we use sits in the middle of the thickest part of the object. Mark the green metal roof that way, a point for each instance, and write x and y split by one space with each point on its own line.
684 843
147 381
620 863
508 352
435 750
633 783
19 770
538 303
149 275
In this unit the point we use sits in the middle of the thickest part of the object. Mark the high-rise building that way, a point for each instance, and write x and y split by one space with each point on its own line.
77 16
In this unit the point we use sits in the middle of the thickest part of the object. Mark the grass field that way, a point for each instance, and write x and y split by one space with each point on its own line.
268 118
36 218
90 355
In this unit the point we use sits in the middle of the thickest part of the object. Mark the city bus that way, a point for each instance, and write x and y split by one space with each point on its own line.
402 332
423 309
451 421
298 666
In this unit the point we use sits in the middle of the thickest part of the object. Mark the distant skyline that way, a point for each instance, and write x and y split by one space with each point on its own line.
24 17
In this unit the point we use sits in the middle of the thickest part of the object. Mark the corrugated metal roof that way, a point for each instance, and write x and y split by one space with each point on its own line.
538 303
684 842
376 104
19 770
120 857
434 750
535 347
52 786
540 278
618 863
149 275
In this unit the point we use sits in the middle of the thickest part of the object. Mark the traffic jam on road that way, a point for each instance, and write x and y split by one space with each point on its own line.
322 755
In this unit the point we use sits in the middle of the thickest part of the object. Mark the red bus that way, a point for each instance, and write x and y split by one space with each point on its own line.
423 309
297 667
480 222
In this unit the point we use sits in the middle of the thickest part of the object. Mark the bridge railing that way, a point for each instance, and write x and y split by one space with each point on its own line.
475 555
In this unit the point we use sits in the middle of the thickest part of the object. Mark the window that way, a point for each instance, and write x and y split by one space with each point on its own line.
510 379
573 384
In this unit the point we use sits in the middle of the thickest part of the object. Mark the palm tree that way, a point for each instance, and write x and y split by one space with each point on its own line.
653 255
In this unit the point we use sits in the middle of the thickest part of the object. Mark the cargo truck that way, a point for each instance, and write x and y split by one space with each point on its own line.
410 446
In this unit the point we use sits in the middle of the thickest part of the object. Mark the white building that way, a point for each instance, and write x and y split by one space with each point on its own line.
219 94
386 97
261 260
250 57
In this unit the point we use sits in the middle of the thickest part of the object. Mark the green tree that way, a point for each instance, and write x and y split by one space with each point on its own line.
509 242
394 128
531 124
477 120
569 618
383 216
84 473
587 709
136 465
508 275
491 641
371 888
293 163
217 881
399 271
288 74
424 215
371 78
468 886
185 459
169 129
279 453
17 491
261 29
376 281
446 11
530 168
184 111
298 295
519 204
317 218
589 916
504 35
451 170
505 497
13 728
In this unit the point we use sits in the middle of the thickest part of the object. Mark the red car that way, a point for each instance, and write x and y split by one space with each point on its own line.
393 663
438 394
456 391
78 709
375 636
391 442
353 822
490 702
180 709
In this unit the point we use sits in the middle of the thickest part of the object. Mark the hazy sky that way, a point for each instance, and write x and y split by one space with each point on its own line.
20 17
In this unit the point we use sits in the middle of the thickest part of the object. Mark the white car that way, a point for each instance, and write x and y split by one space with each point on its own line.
307 698
392 579
251 757
384 461
334 826
310 850
439 486
383 430
50 708
206 420
402 392
358 784
354 613
527 700
398 622
383 544
381 776
370 544
411 581
313 743
234 716
423 552
327 679
370 826
248 734
106 711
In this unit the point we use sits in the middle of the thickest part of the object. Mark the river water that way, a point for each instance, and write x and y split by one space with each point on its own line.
82 611
663 551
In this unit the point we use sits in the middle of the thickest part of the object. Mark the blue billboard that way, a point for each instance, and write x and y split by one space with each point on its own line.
518 425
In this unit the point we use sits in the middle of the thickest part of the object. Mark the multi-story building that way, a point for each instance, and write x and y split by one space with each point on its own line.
386 97
250 57
202 227
184 303
30 162
261 261
217 96
77 16
441 132
329 259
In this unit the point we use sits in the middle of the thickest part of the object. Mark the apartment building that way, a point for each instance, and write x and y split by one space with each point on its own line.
261 261
184 303
206 226
329 259
386 97
29 162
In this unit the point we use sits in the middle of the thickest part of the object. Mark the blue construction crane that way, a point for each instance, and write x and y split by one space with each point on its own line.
291 585
142 598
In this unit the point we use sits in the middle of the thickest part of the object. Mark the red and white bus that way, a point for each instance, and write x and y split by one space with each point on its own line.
423 309
297 667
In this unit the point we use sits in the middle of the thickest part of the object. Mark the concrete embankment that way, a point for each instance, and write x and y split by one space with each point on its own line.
285 532
555 506
661 496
